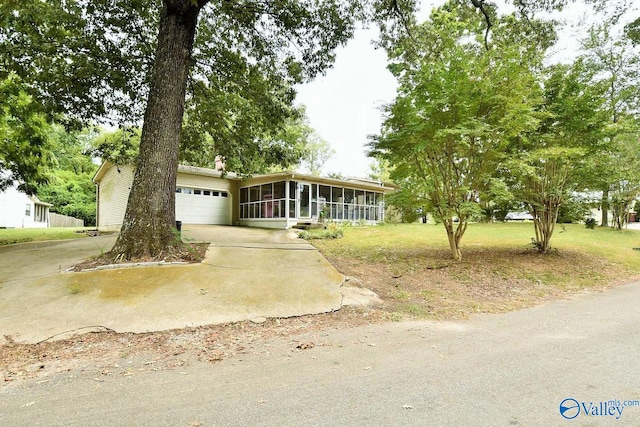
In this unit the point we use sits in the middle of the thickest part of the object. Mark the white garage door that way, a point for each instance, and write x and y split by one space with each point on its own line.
203 206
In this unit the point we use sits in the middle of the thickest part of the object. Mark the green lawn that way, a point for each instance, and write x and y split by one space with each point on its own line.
410 265
21 235
602 242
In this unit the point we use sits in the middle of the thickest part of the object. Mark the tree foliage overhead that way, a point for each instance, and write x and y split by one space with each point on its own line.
25 146
84 59
458 105
230 65
70 188
93 60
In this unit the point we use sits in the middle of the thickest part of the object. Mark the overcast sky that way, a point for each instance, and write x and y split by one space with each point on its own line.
343 106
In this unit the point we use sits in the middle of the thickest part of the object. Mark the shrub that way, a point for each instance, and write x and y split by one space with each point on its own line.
573 210
331 232
590 223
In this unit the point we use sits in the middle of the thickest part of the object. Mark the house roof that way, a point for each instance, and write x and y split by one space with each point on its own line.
193 170
37 201
360 183
104 167
13 188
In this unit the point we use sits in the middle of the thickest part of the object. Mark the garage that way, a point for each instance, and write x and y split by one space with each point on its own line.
203 206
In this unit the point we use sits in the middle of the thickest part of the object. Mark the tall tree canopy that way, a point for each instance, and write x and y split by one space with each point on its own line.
231 65
458 105
547 164
70 188
613 61
25 146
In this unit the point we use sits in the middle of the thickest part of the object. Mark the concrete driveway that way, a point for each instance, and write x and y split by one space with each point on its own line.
248 274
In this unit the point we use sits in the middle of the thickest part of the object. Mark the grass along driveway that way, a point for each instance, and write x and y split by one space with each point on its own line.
9 236
410 266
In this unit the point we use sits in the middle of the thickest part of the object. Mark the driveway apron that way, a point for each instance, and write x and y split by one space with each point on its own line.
247 274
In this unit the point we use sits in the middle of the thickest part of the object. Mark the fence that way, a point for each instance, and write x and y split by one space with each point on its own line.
57 220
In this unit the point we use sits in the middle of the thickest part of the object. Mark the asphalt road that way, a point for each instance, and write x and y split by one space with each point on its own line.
504 370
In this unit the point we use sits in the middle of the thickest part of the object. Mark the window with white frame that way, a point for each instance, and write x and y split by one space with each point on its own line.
201 192
263 201
328 202
41 213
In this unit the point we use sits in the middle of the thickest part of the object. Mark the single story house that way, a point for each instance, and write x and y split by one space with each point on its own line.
276 200
18 210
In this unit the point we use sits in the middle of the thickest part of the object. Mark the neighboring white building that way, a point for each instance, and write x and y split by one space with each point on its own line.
18 210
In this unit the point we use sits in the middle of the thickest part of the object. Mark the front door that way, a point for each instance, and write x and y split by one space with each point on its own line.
304 200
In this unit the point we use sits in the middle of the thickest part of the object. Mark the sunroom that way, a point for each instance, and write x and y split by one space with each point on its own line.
285 200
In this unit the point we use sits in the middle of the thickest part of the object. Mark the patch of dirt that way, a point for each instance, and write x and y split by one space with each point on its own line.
428 284
124 354
188 252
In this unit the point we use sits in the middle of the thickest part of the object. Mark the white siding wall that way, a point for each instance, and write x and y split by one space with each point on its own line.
113 192
198 181
13 208
116 183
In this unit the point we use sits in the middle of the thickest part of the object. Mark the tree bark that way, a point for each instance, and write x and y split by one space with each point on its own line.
454 234
604 205
148 229
544 223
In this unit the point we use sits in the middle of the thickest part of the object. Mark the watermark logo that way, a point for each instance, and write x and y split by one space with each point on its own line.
569 408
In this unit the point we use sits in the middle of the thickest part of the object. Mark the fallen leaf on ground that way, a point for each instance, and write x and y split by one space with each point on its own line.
306 345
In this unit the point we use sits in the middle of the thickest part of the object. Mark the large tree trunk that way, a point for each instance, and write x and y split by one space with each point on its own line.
149 222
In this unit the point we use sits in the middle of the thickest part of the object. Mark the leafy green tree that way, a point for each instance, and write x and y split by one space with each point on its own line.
316 153
457 106
231 65
70 188
379 170
625 178
632 31
409 202
577 208
545 166
613 62
72 194
498 200
285 149
119 147
25 144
